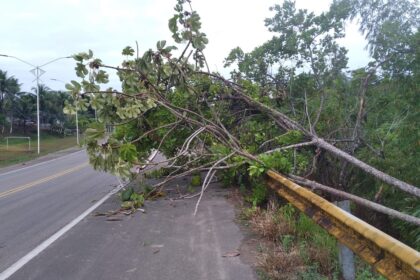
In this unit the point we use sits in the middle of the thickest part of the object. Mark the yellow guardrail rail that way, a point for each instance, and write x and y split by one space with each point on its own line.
388 256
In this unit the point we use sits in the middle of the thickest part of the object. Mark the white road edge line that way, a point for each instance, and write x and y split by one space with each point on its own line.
38 164
44 245
41 247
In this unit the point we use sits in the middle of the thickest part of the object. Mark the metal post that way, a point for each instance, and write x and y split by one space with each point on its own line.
7 143
77 128
346 256
37 108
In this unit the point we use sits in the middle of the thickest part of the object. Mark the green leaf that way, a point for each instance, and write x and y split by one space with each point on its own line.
81 70
173 26
78 57
160 44
101 77
128 51
255 170
69 87
126 194
95 132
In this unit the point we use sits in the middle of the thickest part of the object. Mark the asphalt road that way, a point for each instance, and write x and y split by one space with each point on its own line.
36 201
167 242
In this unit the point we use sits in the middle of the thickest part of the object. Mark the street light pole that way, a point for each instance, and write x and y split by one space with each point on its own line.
77 127
37 72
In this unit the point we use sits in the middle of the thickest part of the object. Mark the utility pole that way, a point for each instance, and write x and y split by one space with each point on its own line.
37 72
77 128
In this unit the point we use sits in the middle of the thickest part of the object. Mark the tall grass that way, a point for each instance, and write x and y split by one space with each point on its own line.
300 249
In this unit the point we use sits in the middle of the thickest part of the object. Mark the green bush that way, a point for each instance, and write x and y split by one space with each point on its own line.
259 194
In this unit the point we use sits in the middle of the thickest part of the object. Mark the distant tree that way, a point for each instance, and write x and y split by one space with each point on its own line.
9 86
390 28
25 108
52 104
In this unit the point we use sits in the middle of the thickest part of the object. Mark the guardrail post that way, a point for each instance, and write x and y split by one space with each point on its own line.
346 256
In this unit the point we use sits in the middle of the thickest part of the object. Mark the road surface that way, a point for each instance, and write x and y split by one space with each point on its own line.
36 201
167 242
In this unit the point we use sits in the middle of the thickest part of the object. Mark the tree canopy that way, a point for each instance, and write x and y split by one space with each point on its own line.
20 107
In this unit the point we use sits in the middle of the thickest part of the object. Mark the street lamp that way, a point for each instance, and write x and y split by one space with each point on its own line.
37 72
77 119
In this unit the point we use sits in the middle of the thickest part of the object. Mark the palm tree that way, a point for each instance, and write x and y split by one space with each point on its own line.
25 107
9 86
51 104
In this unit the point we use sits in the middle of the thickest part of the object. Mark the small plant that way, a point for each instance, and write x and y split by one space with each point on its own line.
131 199
248 212
138 200
262 275
126 194
303 251
146 188
288 212
278 265
311 273
196 180
287 242
259 194
365 272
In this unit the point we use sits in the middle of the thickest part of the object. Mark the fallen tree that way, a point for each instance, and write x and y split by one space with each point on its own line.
239 127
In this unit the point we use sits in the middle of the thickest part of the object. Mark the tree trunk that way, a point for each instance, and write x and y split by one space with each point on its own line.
358 200
11 125
367 168
288 124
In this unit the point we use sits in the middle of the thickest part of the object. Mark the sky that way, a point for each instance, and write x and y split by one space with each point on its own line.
39 31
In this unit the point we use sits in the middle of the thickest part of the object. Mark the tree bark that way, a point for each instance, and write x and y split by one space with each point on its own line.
358 200
367 168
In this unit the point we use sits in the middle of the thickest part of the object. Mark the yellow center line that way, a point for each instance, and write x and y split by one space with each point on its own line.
43 180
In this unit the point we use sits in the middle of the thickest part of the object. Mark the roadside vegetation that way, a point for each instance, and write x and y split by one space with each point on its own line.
291 246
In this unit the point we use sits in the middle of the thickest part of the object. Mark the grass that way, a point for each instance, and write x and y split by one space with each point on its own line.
18 148
292 246
299 249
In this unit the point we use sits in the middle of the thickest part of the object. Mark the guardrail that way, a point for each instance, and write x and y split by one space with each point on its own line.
390 257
